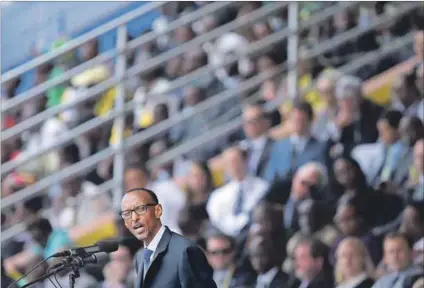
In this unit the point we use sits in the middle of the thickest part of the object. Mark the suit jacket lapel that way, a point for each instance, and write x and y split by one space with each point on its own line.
162 247
264 158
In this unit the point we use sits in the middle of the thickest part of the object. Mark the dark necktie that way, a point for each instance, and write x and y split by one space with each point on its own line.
238 208
146 260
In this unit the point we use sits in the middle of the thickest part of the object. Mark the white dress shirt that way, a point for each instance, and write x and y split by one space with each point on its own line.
299 142
153 245
268 277
222 201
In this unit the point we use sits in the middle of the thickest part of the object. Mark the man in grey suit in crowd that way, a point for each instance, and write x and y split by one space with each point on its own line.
168 259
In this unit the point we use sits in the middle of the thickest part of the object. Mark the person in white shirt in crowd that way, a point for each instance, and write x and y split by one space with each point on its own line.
354 268
326 84
380 161
257 144
230 206
170 195
398 258
416 177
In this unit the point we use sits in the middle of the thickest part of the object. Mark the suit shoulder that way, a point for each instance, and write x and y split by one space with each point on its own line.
182 242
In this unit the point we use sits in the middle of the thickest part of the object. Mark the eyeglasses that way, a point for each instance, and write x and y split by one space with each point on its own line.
139 210
225 251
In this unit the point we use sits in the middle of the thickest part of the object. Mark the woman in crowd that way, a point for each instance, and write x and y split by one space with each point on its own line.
354 268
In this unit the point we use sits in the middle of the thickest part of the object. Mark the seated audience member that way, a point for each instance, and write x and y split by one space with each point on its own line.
301 147
380 161
326 84
350 181
220 251
356 117
191 220
308 182
169 194
314 222
416 177
119 271
199 184
162 172
312 266
350 222
266 264
398 258
354 268
257 144
230 206
405 95
80 201
412 226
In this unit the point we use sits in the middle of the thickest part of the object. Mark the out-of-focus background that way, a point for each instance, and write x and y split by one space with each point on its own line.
285 138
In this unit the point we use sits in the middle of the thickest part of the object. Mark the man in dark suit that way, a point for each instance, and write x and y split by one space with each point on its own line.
265 262
312 265
257 144
168 259
300 148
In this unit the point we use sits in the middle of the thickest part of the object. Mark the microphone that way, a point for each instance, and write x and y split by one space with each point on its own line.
100 258
101 246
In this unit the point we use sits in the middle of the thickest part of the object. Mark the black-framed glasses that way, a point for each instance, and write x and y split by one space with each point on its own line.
139 210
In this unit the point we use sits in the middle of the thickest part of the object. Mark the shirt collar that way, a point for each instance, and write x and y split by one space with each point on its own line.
259 142
155 242
353 282
268 276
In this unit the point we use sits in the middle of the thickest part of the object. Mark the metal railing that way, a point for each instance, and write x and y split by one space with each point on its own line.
120 110
167 124
366 59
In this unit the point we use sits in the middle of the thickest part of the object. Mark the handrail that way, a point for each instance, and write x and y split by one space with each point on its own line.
96 122
109 55
75 43
20 227
94 91
163 126
347 68
220 131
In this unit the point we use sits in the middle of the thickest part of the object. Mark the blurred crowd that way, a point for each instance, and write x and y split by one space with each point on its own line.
327 191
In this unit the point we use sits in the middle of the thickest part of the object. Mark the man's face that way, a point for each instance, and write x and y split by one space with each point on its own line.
387 134
253 122
235 163
411 224
344 172
220 253
396 254
419 156
302 183
301 122
346 220
143 227
134 178
260 259
325 89
306 266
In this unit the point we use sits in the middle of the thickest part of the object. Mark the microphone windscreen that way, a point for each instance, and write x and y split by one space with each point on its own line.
108 246
102 258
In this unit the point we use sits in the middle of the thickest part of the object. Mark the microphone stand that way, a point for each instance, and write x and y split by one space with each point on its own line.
73 276
47 275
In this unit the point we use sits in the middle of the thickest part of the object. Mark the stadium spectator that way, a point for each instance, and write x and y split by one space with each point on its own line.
356 119
405 94
312 266
257 144
220 251
398 258
266 264
351 222
289 154
229 207
353 267
416 176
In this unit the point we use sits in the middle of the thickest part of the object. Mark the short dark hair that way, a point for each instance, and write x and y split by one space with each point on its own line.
304 107
317 249
137 166
42 224
70 154
150 192
399 235
393 118
215 233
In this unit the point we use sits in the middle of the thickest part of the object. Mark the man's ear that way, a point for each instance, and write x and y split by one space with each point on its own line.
158 211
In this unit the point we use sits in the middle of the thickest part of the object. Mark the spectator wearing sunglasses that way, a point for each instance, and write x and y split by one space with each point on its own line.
221 252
